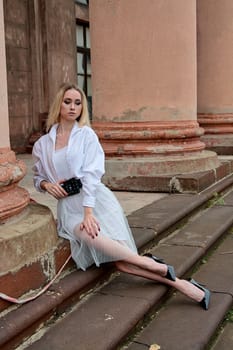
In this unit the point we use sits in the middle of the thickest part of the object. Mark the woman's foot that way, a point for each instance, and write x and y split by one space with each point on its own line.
206 299
170 275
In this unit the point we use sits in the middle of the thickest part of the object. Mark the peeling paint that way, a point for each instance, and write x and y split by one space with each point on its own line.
175 186
48 265
149 113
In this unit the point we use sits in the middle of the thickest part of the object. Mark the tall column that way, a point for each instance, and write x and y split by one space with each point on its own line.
53 55
53 50
58 28
13 199
215 73
144 89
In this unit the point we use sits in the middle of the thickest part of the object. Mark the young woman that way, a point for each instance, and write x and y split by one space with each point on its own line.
92 220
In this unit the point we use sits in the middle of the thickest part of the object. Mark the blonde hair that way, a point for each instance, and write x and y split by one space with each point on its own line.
54 112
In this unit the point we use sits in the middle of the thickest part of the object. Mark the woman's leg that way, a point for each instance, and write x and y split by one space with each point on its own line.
119 251
135 264
181 285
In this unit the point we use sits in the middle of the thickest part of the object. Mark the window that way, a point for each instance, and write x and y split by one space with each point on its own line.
83 2
84 60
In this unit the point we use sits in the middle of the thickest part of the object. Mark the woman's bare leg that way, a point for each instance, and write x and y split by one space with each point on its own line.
181 285
121 252
142 266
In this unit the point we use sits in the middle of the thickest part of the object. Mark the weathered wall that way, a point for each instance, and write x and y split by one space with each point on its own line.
4 121
18 71
143 61
215 73
41 54
215 52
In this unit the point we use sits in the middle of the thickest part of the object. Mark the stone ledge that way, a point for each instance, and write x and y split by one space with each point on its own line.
68 290
35 274
106 308
194 327
23 240
146 223
31 252
180 183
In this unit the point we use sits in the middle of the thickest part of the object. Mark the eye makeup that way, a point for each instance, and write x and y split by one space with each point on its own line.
68 101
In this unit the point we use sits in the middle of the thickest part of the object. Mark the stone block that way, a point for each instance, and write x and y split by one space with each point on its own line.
16 11
19 106
23 240
17 58
223 170
19 82
62 253
195 182
16 35
19 282
225 338
161 214
143 235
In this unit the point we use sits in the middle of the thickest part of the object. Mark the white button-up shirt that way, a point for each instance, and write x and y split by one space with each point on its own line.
84 155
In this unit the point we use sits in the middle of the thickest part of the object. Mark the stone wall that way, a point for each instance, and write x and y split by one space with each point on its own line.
18 71
40 54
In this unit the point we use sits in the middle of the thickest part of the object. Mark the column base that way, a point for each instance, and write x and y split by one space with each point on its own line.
13 199
222 144
31 251
218 132
187 173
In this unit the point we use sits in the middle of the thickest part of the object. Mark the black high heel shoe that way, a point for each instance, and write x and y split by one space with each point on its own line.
170 269
206 300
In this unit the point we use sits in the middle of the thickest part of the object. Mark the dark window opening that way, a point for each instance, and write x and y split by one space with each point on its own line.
82 2
84 60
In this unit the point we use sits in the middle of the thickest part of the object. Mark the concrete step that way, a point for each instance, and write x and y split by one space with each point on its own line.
224 340
30 252
180 325
104 318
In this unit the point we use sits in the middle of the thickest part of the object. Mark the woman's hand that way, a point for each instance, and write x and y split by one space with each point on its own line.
54 189
90 223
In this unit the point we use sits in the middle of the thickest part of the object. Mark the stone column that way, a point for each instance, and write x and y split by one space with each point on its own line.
58 34
13 199
53 55
215 73
144 90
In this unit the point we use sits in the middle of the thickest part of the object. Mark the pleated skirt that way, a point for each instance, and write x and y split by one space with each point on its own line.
113 225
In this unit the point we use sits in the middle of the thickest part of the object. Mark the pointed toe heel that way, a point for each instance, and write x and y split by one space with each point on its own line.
206 299
171 275
170 269
155 258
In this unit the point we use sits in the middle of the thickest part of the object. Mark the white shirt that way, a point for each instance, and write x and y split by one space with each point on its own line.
84 156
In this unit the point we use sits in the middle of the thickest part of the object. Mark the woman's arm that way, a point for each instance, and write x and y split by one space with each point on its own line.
92 169
40 178
54 189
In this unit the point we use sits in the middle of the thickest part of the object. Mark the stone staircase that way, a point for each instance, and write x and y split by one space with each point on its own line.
102 309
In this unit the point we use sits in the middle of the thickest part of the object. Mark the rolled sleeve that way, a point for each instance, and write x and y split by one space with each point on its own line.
38 170
93 170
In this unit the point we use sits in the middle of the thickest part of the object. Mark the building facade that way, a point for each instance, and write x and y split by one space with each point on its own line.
157 75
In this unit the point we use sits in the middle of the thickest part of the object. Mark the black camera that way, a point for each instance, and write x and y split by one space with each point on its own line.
72 186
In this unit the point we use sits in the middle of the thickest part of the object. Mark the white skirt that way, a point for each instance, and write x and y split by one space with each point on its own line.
113 225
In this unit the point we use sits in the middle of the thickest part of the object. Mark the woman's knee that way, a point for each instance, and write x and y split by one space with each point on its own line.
119 265
83 236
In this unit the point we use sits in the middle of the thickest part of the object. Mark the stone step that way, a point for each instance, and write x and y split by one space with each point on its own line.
179 325
31 252
104 318
224 340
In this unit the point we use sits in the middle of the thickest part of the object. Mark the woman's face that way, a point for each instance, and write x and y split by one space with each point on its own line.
71 106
